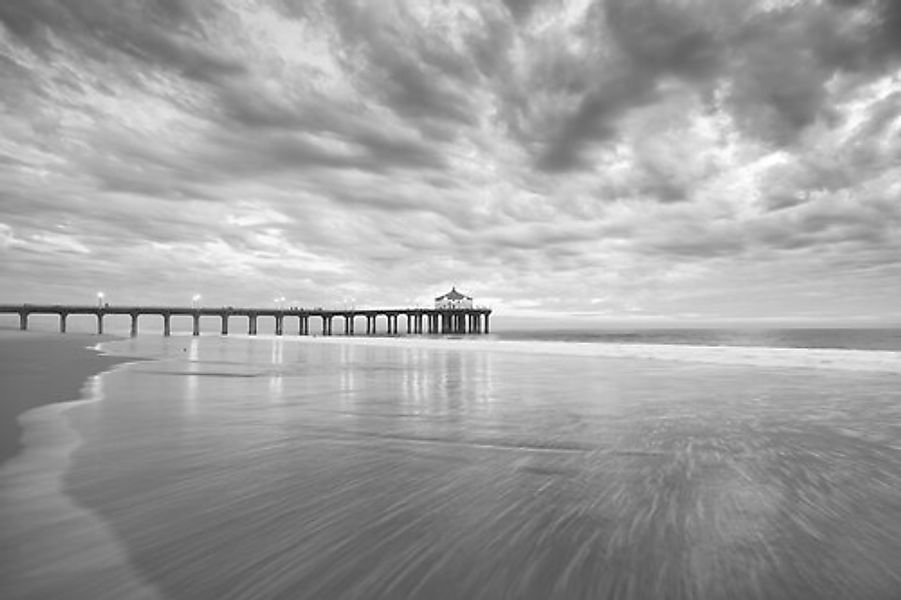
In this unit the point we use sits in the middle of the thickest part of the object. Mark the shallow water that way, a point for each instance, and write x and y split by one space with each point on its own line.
276 468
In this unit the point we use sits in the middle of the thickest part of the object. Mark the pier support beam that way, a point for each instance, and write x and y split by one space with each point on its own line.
224 324
99 323
279 324
486 324
251 325
23 321
167 326
62 322
196 324
134 324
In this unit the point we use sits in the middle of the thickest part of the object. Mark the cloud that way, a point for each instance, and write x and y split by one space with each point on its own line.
652 41
647 152
164 32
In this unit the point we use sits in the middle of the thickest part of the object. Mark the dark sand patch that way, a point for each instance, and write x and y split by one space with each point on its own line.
39 368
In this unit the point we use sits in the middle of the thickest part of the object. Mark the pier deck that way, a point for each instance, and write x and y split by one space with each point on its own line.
418 320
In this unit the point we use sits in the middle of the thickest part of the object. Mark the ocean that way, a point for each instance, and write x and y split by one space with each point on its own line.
833 338
652 464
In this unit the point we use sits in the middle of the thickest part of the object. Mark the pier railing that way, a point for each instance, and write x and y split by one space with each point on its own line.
418 320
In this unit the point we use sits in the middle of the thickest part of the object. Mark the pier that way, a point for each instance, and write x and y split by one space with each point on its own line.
383 320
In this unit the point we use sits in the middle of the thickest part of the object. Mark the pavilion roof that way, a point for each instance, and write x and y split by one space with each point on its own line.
453 295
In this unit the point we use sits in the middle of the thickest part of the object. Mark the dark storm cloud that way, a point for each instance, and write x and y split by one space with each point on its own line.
877 43
652 40
779 89
162 32
776 65
594 120
409 69
784 59
522 9
661 37
281 151
813 225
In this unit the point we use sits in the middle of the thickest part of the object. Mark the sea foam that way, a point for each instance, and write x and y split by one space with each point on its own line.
876 361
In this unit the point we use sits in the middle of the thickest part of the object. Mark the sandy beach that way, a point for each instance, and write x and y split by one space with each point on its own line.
39 368
239 467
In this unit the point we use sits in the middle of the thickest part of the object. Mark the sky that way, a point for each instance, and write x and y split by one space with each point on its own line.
636 161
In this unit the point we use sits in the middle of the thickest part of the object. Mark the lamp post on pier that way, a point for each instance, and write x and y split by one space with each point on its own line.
195 304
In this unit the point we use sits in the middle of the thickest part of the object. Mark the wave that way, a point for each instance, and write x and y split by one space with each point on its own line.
48 527
877 361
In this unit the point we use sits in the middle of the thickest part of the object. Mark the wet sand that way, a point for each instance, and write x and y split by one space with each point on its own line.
262 468
357 468
38 368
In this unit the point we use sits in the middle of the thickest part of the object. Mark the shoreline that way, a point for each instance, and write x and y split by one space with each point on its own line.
35 497
39 368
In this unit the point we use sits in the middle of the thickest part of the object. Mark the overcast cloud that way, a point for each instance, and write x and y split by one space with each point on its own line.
622 159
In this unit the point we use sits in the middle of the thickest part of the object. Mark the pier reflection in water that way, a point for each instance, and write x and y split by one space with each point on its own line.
332 471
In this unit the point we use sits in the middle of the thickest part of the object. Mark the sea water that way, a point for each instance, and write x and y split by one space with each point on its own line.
287 468
806 338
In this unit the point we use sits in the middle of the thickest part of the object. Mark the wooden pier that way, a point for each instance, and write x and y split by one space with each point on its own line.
418 320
